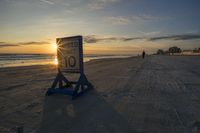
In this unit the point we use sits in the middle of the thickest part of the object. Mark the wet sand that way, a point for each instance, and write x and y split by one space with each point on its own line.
157 94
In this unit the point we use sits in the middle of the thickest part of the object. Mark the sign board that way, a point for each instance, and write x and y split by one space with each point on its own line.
70 54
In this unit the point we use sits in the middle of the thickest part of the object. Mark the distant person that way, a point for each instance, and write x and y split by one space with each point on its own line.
143 54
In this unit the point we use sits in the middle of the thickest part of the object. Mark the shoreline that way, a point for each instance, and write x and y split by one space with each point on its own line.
53 65
11 62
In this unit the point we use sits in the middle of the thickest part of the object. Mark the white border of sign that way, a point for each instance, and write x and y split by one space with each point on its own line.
70 54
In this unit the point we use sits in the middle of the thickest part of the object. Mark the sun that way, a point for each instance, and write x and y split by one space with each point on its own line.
54 47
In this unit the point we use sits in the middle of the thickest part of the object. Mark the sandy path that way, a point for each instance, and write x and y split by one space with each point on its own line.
157 95
164 96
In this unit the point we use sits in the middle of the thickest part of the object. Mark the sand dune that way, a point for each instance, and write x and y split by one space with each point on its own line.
157 94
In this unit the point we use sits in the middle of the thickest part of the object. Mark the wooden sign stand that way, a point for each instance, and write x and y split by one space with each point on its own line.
72 88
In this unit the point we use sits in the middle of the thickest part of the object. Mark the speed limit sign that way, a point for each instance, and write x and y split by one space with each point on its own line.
70 54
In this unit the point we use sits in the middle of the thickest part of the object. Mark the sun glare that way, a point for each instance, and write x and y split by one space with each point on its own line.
54 49
56 61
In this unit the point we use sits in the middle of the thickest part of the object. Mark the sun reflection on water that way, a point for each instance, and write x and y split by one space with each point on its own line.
56 61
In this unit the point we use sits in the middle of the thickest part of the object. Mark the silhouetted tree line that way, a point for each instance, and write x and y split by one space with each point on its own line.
160 51
175 49
196 50
171 50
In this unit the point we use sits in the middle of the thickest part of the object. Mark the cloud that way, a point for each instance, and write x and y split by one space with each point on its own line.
8 44
153 33
125 20
47 2
119 20
145 17
69 11
90 39
176 37
33 43
100 4
131 38
95 39
4 44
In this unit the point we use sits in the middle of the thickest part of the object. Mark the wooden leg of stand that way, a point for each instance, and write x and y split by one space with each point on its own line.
60 84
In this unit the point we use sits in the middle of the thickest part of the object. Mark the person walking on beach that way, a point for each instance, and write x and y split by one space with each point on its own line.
143 54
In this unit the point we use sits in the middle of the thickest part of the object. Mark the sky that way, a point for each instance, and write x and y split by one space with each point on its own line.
107 26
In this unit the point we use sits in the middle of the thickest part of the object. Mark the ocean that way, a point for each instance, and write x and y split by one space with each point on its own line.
14 60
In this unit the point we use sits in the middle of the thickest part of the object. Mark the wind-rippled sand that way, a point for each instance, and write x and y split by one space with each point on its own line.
154 95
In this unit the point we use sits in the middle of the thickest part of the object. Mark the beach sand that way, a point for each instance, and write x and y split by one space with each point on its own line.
157 94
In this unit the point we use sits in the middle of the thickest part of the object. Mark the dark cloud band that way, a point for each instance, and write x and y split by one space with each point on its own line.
94 39
7 44
2 45
176 37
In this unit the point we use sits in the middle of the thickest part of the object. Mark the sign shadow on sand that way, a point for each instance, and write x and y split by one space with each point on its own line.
89 113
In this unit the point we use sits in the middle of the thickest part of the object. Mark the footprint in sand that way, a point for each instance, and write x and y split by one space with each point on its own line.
59 112
70 110
196 127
